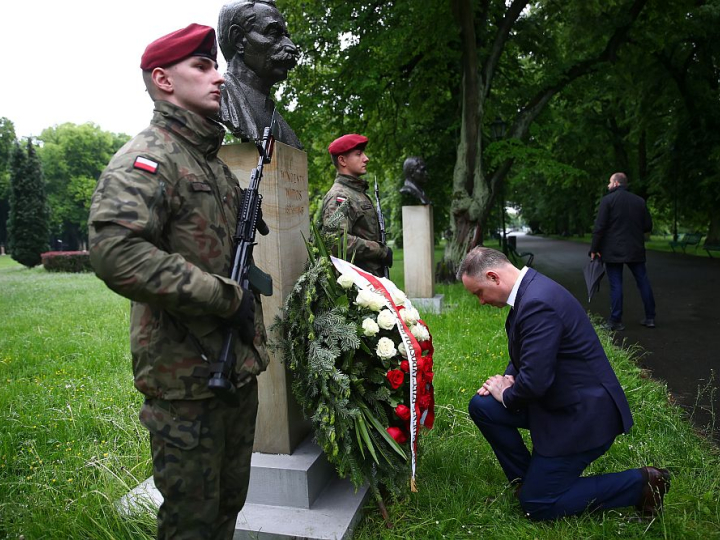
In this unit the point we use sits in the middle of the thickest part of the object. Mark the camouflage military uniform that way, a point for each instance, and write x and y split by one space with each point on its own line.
161 225
360 220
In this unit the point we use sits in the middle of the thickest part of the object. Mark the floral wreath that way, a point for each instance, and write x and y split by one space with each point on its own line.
362 364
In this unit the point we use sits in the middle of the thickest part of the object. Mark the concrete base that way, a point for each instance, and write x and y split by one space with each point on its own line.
294 496
433 305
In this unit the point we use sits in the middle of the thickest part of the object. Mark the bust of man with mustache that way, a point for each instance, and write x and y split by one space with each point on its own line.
255 42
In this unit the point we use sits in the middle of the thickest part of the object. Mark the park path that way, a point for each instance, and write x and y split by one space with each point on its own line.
684 349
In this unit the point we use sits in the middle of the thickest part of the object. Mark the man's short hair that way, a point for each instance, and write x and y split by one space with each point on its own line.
479 260
238 14
620 178
150 85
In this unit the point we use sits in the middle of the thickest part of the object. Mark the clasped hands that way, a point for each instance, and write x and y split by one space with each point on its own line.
496 385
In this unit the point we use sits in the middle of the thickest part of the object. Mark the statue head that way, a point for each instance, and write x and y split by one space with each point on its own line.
254 34
414 170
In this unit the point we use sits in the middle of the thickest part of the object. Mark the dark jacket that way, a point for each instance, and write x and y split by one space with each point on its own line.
562 375
620 227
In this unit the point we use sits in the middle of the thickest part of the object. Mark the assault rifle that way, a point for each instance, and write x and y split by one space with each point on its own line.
381 223
243 271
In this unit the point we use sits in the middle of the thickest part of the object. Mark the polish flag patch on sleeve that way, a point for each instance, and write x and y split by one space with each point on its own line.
145 164
340 199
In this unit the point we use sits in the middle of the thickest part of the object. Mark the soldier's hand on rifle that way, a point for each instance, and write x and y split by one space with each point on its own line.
262 227
243 320
388 258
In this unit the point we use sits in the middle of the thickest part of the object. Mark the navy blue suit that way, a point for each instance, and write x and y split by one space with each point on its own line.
569 398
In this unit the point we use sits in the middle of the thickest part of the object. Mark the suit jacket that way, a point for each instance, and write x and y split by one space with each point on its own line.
620 227
562 375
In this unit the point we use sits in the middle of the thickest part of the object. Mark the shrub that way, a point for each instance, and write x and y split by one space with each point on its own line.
66 261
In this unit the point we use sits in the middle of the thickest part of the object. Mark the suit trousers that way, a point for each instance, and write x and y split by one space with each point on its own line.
639 272
551 485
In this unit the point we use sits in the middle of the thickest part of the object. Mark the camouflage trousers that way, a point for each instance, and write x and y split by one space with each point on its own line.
201 462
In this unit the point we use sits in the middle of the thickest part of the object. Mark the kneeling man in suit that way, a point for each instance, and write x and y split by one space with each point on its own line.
559 384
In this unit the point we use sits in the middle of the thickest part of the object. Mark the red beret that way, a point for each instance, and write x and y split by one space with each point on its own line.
347 143
195 40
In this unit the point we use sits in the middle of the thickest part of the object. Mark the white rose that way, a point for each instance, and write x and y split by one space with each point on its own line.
364 298
386 319
377 302
403 351
398 297
410 316
420 332
385 348
345 281
370 327
370 300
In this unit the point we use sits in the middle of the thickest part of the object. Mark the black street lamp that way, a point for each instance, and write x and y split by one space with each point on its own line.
674 167
497 129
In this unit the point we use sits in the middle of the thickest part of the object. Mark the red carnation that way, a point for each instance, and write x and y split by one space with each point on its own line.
421 364
424 402
403 412
397 434
405 366
396 378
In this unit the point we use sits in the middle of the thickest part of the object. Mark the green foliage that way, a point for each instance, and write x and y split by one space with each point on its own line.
73 157
387 70
7 139
67 261
28 223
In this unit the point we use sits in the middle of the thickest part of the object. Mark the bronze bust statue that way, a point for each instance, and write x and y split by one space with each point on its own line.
415 176
254 40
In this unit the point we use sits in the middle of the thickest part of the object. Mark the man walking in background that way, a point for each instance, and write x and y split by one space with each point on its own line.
619 238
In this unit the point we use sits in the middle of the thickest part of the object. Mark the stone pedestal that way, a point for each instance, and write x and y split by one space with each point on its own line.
290 497
282 254
418 252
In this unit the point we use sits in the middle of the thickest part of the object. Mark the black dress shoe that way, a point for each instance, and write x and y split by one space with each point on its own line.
650 323
613 325
656 483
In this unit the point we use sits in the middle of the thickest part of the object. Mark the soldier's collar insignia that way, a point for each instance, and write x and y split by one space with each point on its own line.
145 164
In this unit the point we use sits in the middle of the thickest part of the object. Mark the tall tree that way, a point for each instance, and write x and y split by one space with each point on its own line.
429 77
555 44
28 224
7 139
73 157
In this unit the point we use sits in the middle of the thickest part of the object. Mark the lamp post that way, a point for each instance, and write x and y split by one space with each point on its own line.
674 154
497 130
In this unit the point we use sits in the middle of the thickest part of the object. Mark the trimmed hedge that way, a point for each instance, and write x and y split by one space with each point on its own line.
66 261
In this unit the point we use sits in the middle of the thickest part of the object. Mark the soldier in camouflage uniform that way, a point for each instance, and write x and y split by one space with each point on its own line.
358 216
161 224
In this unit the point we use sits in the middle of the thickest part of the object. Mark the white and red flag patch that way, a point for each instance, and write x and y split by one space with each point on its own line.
341 199
145 164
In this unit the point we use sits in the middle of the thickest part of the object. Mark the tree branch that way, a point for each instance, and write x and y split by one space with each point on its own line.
508 21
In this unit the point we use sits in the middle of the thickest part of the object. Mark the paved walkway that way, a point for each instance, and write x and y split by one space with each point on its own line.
684 349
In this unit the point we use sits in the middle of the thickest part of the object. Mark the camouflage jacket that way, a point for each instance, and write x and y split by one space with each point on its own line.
161 225
359 219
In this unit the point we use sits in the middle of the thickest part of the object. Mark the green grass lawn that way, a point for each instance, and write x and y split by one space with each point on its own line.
72 444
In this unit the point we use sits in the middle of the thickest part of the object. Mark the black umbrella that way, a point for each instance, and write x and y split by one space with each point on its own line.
594 271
